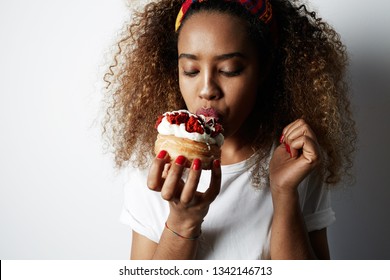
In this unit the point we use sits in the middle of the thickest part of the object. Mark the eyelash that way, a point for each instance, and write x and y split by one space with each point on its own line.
190 73
231 73
225 73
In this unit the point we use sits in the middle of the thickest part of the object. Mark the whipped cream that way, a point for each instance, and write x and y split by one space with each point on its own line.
179 130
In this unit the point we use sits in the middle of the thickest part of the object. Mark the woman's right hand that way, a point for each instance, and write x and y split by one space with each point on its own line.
188 207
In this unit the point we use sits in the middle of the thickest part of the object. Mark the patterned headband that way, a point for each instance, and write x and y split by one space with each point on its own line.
261 8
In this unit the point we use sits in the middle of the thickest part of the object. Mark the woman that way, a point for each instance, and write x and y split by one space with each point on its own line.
273 73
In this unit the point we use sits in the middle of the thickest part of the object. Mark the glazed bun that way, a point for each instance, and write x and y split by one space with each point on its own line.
192 136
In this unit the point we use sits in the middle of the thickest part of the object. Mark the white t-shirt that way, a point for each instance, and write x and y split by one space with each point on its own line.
238 224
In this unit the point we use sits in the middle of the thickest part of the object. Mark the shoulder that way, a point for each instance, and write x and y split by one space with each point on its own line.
315 200
312 185
136 174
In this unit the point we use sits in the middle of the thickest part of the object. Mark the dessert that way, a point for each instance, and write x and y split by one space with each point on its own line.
190 135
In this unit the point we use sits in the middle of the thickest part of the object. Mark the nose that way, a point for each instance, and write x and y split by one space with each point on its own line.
210 89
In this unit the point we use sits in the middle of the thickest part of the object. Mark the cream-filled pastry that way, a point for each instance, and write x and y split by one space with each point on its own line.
190 135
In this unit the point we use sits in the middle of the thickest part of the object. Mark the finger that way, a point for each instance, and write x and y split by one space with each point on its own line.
155 178
300 128
309 147
288 128
215 183
285 131
165 171
170 186
297 124
296 129
296 133
192 182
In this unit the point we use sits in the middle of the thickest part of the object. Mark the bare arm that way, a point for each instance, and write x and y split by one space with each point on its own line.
292 161
144 249
188 207
170 247
290 239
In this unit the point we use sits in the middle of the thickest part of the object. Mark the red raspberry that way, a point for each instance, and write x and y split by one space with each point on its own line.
171 118
182 118
177 118
193 125
217 130
159 120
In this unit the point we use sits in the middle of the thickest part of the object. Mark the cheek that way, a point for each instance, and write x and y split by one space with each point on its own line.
251 90
187 93
241 103
244 96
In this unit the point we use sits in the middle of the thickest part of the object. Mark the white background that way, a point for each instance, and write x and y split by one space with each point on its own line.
60 196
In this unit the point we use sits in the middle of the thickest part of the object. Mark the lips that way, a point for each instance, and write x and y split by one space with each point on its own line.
208 113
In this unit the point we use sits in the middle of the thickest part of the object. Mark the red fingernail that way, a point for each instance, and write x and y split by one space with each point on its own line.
180 160
197 164
281 139
288 148
217 163
162 154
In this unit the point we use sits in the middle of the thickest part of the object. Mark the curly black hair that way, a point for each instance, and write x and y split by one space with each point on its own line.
307 79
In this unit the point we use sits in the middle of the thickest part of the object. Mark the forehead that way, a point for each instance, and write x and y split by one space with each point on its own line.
214 32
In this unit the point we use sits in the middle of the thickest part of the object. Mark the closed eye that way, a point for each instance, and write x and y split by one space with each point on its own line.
231 73
190 73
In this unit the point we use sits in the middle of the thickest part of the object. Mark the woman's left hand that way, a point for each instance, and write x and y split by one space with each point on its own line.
296 156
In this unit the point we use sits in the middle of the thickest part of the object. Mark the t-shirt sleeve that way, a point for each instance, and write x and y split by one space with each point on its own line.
143 210
316 204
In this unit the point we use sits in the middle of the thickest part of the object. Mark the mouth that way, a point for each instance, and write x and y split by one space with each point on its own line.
209 113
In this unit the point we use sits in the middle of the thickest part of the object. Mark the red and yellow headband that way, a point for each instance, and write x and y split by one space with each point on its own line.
261 8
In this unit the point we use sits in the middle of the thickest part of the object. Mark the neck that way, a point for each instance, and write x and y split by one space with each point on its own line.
234 151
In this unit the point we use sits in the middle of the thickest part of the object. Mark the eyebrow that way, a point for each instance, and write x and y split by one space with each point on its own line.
218 57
